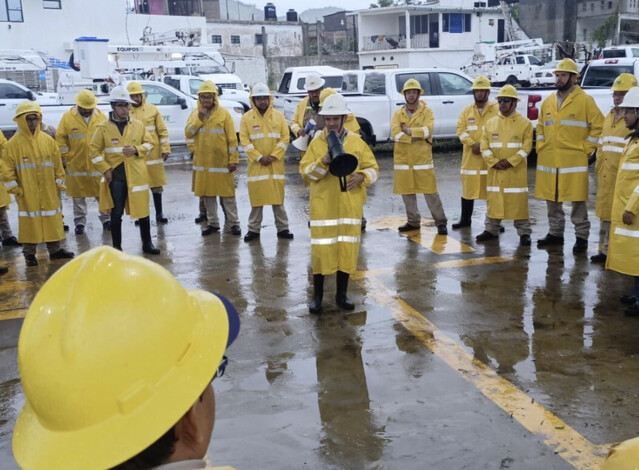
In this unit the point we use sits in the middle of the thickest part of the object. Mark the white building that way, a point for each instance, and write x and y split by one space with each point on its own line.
440 34
246 38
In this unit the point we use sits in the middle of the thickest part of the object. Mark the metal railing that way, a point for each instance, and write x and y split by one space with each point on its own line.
383 42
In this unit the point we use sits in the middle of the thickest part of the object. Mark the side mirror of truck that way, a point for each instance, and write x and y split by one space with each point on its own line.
182 103
31 95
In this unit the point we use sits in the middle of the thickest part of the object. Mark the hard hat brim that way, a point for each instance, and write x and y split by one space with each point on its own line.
320 84
122 101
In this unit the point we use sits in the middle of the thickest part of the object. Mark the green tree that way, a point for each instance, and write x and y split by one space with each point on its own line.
606 30
387 3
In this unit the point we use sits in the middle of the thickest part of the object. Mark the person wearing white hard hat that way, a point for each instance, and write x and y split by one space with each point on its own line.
118 150
73 137
118 373
264 136
32 171
308 107
568 131
336 211
623 249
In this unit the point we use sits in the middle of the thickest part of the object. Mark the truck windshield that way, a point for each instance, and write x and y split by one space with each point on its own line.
614 53
604 76
211 69
375 83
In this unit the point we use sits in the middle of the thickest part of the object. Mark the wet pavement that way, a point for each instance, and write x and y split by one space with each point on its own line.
458 355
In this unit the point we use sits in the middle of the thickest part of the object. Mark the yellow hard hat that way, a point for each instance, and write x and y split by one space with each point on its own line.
508 91
481 83
134 88
326 92
112 353
207 87
412 84
625 456
624 82
567 65
27 107
86 99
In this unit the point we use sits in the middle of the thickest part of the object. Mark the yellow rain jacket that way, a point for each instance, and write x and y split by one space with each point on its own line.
265 135
336 216
609 150
565 139
106 153
509 138
413 154
5 200
470 125
31 165
73 137
623 249
215 147
304 113
155 126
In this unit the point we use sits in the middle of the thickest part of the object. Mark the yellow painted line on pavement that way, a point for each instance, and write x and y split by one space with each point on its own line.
463 263
559 436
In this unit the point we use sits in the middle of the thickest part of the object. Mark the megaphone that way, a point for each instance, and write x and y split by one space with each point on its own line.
301 143
342 164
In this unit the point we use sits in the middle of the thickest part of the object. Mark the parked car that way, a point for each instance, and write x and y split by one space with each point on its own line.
616 52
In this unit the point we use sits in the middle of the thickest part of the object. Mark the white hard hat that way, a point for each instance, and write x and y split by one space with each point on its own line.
631 100
119 94
313 82
335 105
260 89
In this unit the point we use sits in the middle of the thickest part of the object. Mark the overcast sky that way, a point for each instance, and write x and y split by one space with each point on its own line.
282 6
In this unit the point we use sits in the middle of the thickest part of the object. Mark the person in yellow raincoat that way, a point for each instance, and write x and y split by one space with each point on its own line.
156 127
118 150
118 361
623 250
8 239
264 136
623 456
506 141
568 131
336 215
73 136
308 107
215 158
470 125
412 131
32 171
609 150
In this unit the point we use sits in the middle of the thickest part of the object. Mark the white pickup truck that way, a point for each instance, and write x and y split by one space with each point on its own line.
174 106
190 84
512 69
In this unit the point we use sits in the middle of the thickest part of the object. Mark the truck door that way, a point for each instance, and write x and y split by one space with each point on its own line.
454 93
10 97
168 104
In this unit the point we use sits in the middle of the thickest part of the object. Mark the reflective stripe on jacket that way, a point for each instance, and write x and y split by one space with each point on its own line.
150 116
609 150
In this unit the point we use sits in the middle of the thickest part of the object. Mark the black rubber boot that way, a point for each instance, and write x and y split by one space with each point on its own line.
318 293
342 285
116 234
465 220
159 215
145 234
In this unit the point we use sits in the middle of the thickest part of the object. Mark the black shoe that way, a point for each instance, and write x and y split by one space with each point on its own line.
461 224
79 229
200 218
524 240
580 246
150 249
501 229
209 229
315 306
550 240
30 260
61 254
442 230
251 236
598 258
407 227
485 236
344 302
10 241
3 270
65 227
235 230
106 226
632 311
363 224
318 293
137 222
627 299
161 220
285 234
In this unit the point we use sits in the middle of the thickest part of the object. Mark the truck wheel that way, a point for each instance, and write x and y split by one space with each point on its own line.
512 80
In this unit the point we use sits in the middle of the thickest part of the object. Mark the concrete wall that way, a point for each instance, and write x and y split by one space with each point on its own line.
283 39
250 69
551 20
277 65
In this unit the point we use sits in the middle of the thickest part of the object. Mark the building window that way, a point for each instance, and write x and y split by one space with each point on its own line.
456 22
585 38
602 4
216 39
11 10
592 6
609 5
52 4
584 6
419 24
258 39
235 39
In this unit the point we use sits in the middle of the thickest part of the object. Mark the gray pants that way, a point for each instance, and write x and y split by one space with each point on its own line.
80 211
434 204
578 216
279 214
604 235
30 248
5 227
522 226
230 210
